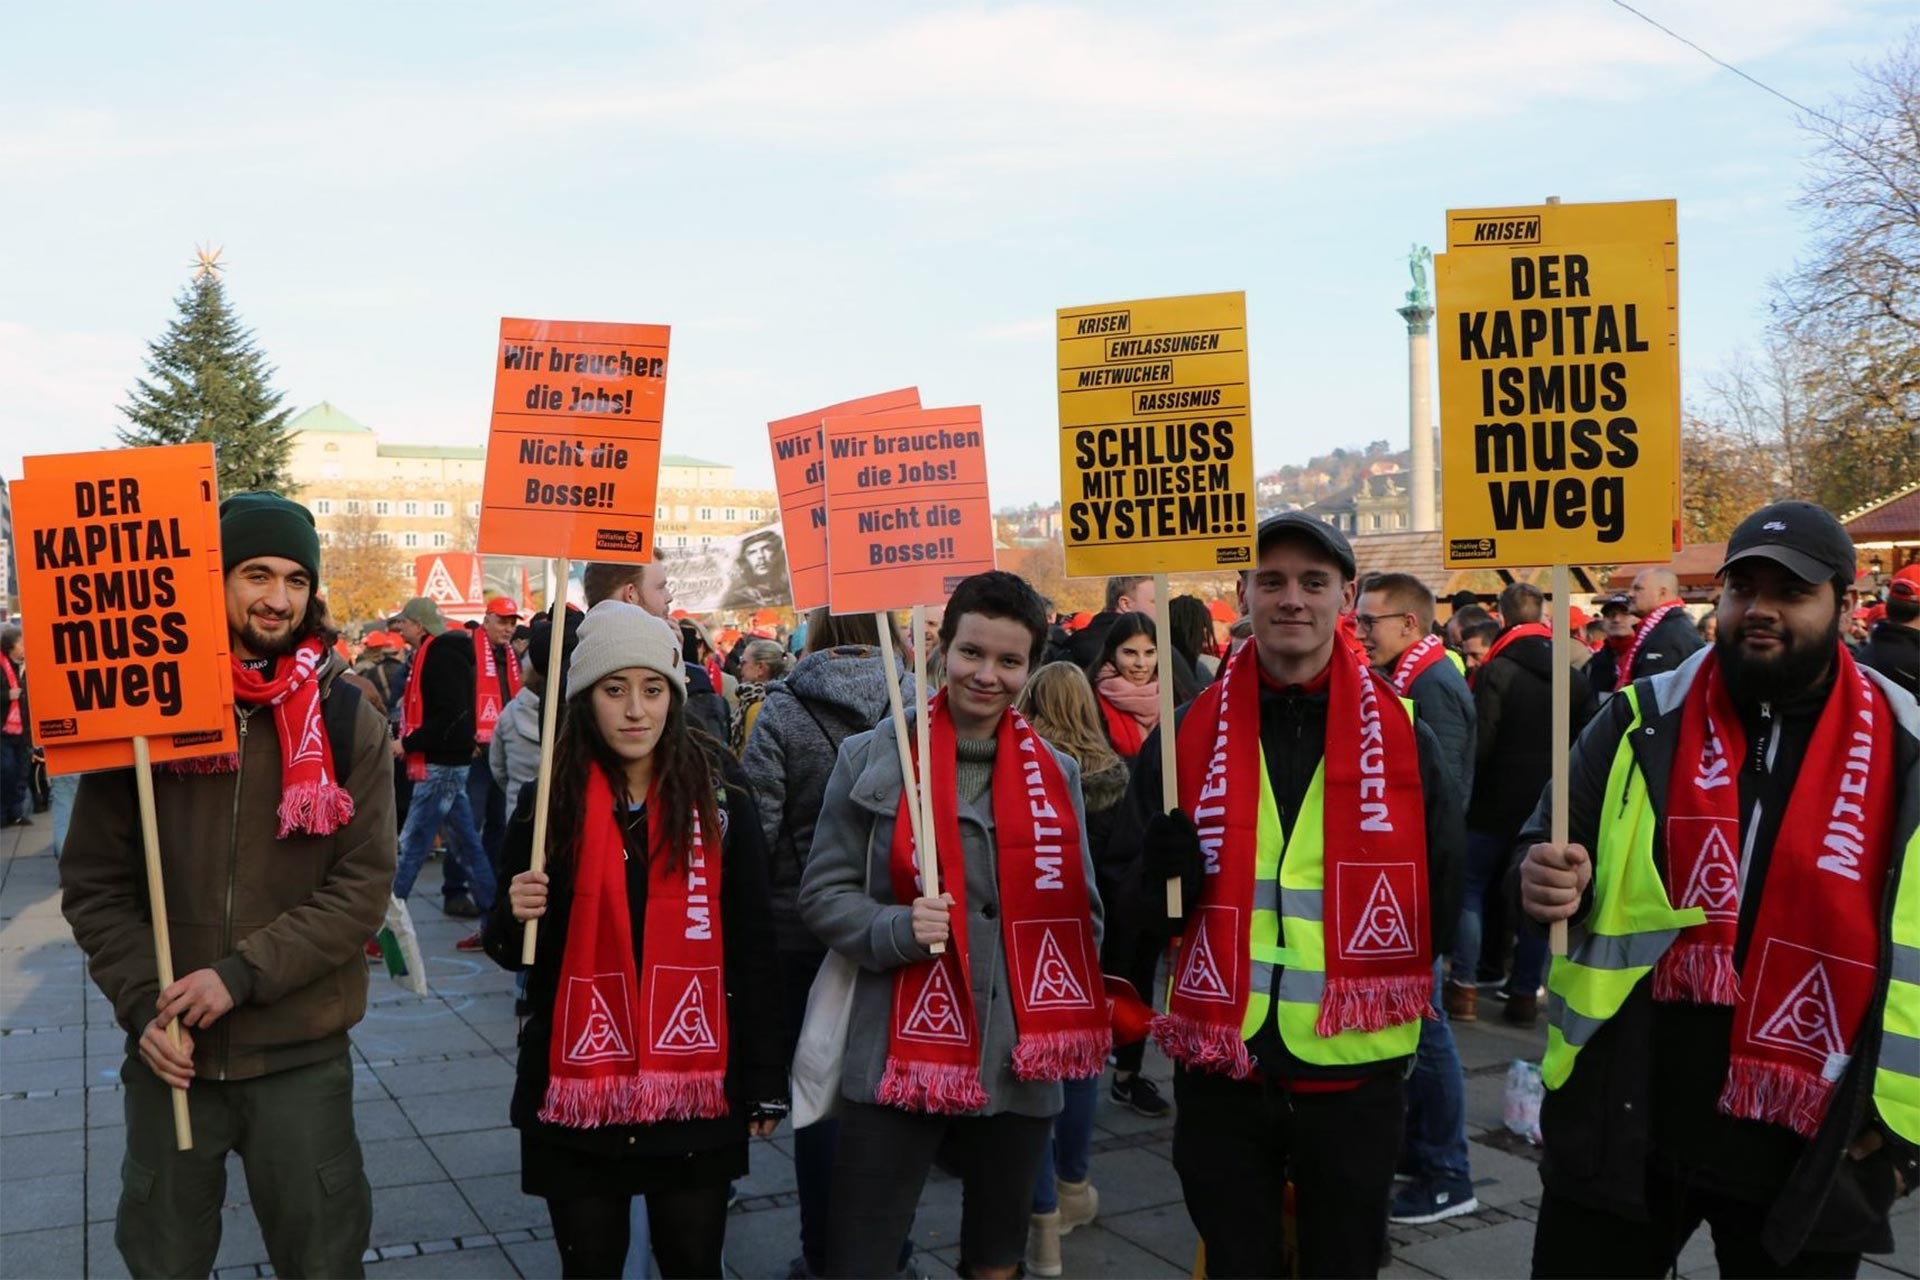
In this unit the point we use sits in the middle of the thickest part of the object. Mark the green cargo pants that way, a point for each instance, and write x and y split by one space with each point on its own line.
294 1132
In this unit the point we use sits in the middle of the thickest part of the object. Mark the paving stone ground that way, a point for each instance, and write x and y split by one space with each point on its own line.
431 1083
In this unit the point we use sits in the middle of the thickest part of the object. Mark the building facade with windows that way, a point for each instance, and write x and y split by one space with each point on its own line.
700 502
423 498
416 497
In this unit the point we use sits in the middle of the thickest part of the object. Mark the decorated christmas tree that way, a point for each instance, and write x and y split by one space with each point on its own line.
206 381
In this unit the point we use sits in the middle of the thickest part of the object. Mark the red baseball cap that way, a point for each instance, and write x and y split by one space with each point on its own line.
376 640
503 607
1904 589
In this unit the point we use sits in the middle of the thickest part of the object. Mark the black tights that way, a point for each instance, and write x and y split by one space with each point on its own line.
688 1228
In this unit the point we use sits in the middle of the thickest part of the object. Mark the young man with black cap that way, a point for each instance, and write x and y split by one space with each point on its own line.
496 682
1732 1033
277 863
1318 842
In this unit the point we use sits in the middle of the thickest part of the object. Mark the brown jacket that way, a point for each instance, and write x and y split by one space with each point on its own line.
283 922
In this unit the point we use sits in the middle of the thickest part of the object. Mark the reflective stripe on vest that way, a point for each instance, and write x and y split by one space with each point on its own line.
1298 868
1896 1079
1631 923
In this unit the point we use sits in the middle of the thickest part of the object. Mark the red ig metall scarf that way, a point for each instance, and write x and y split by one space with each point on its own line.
1803 991
311 797
1046 926
1507 637
487 703
1624 676
413 709
1378 965
1414 662
638 1047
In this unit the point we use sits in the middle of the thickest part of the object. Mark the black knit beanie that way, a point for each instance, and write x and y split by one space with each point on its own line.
266 524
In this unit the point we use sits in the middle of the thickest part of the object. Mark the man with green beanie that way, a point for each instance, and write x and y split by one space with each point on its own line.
277 861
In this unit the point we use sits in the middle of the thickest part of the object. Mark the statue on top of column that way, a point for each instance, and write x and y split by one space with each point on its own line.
1418 256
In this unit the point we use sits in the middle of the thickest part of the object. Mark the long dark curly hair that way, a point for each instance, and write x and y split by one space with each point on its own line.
686 776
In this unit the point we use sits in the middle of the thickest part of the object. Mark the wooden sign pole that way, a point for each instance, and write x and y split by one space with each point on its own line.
549 717
923 736
1169 780
157 905
1562 618
929 868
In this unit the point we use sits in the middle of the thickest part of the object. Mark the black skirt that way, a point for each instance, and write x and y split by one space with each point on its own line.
562 1171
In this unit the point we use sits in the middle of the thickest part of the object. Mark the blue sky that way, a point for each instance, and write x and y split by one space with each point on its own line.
834 199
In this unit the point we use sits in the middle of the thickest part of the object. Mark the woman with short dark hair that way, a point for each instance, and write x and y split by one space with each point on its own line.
965 1052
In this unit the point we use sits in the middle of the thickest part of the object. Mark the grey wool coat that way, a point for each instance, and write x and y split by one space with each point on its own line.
847 901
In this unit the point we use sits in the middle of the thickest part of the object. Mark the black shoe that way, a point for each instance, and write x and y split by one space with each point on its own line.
21 821
461 907
1140 1095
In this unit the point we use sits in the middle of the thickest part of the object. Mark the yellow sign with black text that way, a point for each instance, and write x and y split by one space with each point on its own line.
1156 437
1559 339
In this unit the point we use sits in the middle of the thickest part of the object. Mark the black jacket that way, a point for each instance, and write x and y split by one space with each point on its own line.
756 1061
1442 700
445 734
826 699
1513 697
1293 733
1669 644
1893 649
1606 1123
705 707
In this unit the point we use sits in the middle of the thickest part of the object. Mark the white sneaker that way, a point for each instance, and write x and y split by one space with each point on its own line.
1079 1203
1043 1244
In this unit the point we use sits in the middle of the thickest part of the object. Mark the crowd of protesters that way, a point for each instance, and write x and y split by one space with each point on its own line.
1360 843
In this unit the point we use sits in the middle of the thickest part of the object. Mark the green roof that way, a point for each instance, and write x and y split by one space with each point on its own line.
324 417
475 452
682 460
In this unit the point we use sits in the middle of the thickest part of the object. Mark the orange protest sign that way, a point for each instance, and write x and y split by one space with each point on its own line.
799 474
907 508
123 604
573 456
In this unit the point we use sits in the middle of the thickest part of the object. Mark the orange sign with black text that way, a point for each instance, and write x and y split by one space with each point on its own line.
123 604
573 456
799 473
907 508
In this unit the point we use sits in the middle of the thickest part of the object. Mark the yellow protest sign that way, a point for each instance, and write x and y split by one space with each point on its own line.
1558 332
1156 441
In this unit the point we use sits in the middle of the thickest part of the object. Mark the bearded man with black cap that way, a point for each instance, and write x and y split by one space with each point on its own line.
277 862
1735 1030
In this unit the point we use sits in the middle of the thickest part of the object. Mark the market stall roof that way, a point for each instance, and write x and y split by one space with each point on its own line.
1889 521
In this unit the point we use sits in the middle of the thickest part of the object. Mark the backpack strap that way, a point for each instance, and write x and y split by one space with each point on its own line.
337 711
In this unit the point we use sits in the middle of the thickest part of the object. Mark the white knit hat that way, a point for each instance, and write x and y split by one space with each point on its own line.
615 635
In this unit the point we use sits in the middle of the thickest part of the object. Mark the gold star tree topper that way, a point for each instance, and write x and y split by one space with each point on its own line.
206 263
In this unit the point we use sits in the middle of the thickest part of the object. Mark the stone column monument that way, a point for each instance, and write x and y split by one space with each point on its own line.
1418 313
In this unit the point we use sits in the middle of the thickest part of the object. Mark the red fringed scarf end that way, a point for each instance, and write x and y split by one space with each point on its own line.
1062 1055
937 1088
1777 1093
317 808
1202 1045
1373 1004
647 1097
